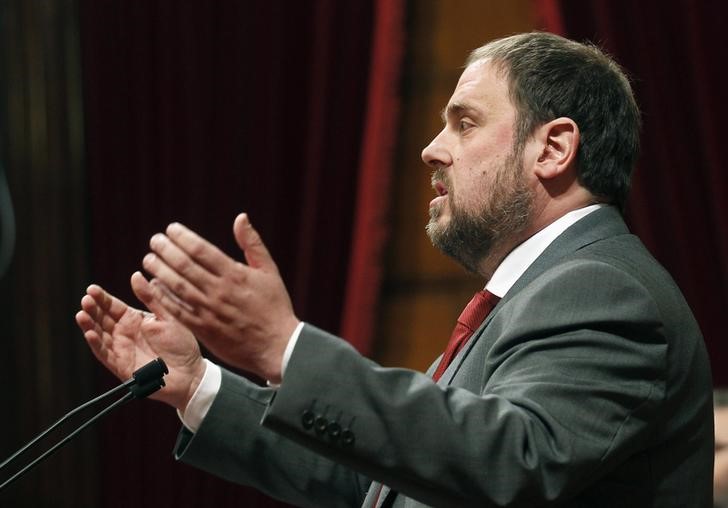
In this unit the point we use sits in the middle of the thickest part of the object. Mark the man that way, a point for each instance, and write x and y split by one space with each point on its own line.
587 384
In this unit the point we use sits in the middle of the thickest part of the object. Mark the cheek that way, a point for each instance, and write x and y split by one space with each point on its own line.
469 192
504 137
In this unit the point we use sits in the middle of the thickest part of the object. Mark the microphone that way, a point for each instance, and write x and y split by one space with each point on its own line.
144 381
147 379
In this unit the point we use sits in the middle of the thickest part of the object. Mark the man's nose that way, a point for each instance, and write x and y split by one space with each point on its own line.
436 153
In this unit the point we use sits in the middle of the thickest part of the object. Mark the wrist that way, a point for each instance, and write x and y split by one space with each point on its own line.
196 374
275 354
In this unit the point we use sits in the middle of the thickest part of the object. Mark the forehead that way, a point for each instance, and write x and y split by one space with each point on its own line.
482 88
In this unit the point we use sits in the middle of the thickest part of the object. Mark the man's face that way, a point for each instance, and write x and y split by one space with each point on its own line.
483 201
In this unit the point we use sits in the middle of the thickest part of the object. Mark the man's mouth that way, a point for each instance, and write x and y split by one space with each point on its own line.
441 191
439 184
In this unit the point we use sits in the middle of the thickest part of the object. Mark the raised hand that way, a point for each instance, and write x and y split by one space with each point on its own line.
124 338
242 313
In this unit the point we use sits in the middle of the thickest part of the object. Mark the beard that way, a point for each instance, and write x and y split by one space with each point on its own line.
504 212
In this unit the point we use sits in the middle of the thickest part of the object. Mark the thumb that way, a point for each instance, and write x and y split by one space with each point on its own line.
248 239
143 290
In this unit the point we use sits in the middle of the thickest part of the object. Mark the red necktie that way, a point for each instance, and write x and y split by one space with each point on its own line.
471 318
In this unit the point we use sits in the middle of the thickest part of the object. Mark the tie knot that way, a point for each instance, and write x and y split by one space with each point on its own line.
470 319
477 309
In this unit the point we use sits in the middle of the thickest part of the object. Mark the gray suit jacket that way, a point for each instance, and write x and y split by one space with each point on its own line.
588 385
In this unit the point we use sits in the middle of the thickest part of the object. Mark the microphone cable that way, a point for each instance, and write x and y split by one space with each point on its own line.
144 381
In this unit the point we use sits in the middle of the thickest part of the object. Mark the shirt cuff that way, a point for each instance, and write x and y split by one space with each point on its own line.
287 353
209 386
202 399
289 348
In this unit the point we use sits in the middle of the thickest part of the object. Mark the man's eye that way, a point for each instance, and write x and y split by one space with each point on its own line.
464 125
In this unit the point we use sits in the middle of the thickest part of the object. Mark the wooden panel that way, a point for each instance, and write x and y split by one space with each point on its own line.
424 291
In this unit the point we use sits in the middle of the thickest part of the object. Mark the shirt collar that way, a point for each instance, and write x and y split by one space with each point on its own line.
520 258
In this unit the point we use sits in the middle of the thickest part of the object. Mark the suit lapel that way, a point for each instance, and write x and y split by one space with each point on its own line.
598 225
602 223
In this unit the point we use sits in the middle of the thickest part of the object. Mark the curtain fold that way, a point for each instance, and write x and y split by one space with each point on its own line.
372 215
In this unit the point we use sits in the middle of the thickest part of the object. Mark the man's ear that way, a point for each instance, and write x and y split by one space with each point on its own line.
560 143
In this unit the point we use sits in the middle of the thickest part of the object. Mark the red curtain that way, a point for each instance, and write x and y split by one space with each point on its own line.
197 111
675 52
371 221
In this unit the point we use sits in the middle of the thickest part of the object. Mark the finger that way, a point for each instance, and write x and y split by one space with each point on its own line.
100 317
88 303
248 239
197 248
91 331
104 354
89 327
178 285
143 290
181 262
173 305
98 331
85 321
109 303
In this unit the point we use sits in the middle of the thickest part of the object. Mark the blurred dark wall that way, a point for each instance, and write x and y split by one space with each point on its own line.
47 369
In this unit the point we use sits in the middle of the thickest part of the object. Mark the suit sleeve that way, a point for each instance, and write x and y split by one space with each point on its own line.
232 444
569 378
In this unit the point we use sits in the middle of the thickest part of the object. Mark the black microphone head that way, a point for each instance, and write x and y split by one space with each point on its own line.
152 371
148 378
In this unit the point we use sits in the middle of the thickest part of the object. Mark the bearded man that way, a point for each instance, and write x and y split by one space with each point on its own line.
577 378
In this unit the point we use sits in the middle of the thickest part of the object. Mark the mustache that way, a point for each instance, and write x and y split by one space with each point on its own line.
438 175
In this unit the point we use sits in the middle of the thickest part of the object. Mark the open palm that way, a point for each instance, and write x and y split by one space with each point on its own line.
124 338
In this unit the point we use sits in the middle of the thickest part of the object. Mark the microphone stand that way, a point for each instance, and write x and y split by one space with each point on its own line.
144 381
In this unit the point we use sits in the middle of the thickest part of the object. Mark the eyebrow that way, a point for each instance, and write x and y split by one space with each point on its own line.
457 109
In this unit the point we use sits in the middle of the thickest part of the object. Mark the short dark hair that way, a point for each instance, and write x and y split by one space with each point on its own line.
550 77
